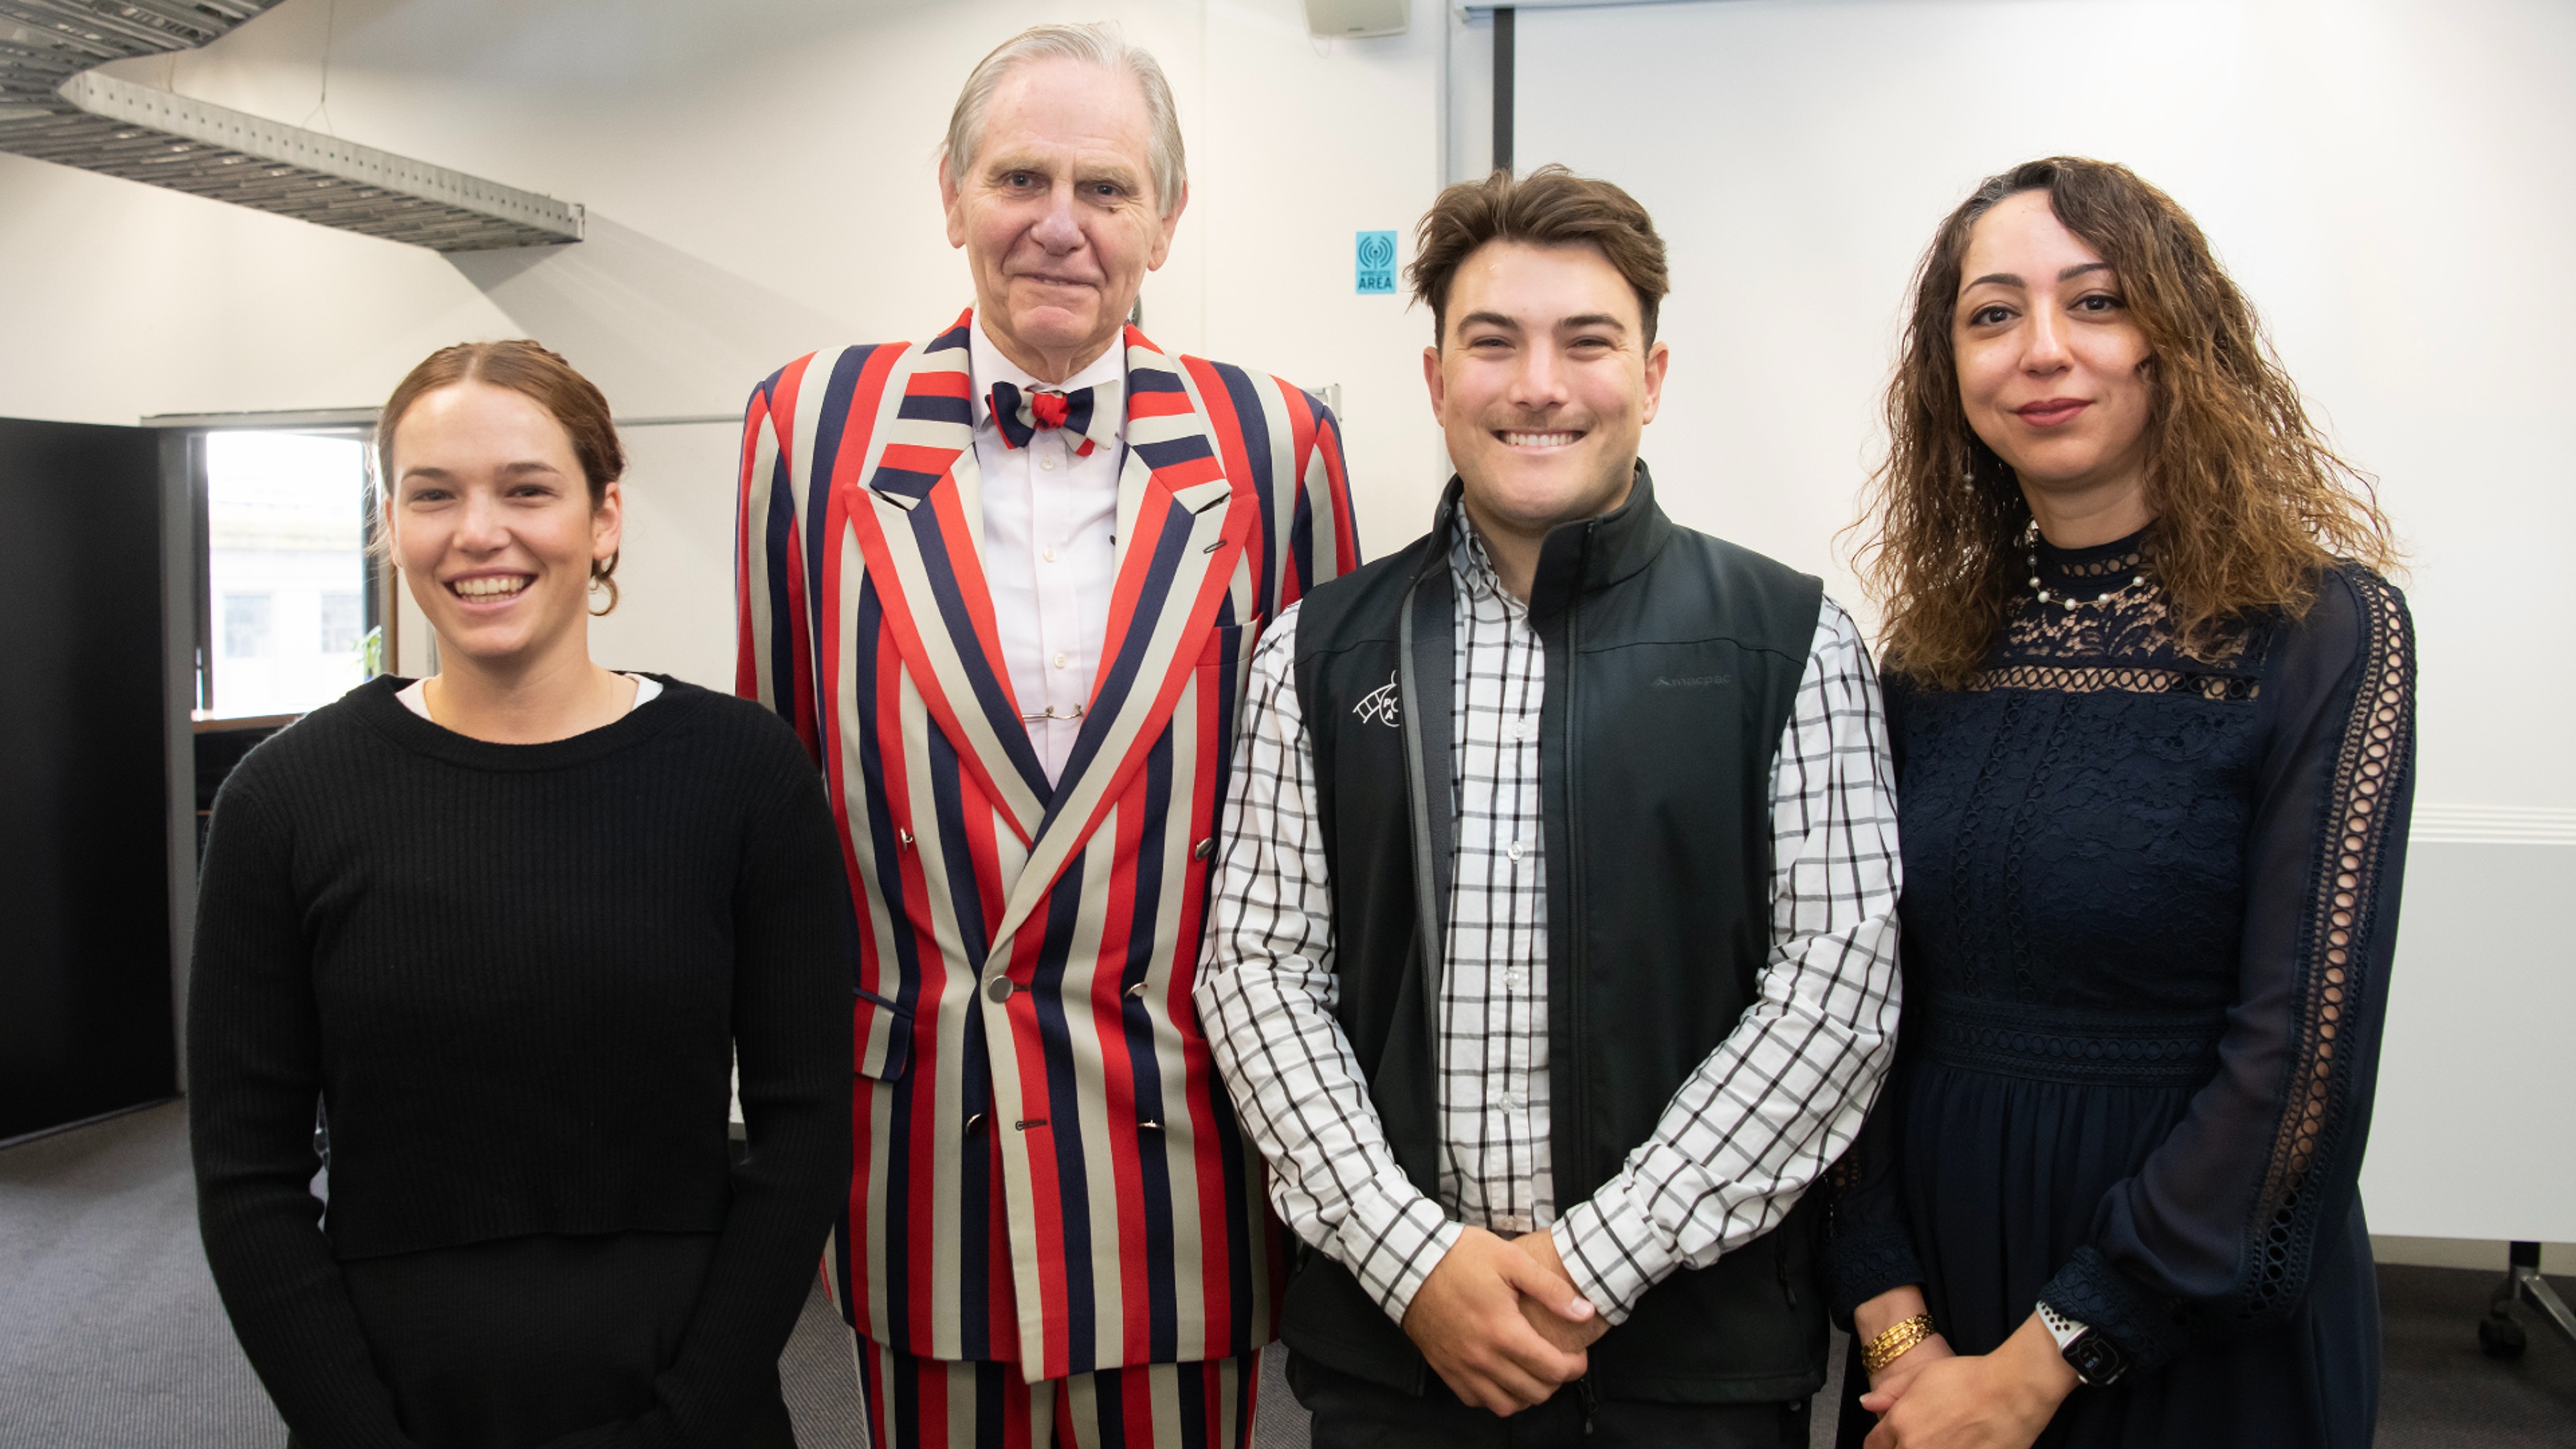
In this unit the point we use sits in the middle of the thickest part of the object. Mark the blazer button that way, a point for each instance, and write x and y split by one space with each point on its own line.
1137 990
1000 990
1204 848
974 1124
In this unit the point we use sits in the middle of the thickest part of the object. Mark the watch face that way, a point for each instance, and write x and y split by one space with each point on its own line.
2097 1360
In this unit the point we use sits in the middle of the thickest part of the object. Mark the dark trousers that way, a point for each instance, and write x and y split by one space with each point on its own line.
1352 1413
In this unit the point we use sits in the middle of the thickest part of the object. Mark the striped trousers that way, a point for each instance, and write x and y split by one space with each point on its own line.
931 1403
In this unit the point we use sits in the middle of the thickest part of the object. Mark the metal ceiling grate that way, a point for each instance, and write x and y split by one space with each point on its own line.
52 111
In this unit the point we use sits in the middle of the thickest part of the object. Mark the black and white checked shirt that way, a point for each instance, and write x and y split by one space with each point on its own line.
1771 1108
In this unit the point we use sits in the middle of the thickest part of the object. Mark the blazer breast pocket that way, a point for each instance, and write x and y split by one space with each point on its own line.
1229 648
880 1037
1224 644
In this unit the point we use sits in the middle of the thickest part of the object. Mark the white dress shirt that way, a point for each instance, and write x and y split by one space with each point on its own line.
1050 543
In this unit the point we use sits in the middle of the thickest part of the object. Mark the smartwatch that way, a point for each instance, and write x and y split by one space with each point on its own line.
2094 1357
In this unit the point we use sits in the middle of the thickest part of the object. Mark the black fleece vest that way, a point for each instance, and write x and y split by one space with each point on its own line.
1673 661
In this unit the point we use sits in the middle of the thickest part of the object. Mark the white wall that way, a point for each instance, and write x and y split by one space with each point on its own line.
2391 180
675 571
760 181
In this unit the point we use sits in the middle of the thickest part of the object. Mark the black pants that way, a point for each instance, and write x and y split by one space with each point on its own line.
1352 1413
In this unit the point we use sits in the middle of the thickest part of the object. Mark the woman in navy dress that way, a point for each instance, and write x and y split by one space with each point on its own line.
2153 711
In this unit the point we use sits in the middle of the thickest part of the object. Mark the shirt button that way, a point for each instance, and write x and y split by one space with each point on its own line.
1059 661
1527 727
1047 463
1513 850
1515 978
1047 554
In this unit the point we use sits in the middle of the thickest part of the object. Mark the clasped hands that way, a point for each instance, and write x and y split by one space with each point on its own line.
1932 1398
1501 1322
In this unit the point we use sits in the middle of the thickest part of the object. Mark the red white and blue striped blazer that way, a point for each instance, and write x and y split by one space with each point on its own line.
1046 1169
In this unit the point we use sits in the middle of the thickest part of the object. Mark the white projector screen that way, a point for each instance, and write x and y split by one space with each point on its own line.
2392 182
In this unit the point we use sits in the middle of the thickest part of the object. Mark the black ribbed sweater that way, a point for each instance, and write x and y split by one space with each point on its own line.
517 977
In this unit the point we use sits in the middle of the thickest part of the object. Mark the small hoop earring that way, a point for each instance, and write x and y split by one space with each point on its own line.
600 572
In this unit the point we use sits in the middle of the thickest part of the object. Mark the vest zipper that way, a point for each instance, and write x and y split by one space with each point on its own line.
1578 1098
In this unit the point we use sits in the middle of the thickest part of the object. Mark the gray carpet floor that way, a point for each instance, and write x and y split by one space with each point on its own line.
111 1336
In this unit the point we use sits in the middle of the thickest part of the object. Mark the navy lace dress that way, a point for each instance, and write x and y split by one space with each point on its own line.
2149 907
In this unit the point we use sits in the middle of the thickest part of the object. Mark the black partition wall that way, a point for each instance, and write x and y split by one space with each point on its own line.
84 845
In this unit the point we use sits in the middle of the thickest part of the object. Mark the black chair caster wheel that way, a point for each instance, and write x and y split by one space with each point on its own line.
2501 1337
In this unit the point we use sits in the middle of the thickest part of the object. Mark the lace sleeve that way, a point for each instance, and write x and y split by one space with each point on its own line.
1869 1248
2217 1231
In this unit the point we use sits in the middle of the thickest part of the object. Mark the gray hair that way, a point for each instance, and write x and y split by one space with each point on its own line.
1094 44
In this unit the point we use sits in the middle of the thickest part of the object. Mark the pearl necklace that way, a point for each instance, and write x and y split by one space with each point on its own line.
2137 582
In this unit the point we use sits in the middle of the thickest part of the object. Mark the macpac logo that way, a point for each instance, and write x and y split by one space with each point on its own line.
1379 706
1691 681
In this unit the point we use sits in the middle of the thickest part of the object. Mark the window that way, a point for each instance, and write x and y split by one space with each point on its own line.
246 626
341 623
285 571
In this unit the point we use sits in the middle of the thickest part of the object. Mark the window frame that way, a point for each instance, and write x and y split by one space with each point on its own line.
376 609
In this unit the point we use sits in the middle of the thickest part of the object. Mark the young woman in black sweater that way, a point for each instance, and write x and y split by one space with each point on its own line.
512 926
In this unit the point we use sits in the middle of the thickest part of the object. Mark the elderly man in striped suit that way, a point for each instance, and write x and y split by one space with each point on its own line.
1007 583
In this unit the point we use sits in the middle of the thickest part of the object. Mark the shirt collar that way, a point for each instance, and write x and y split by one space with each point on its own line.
1107 376
1473 567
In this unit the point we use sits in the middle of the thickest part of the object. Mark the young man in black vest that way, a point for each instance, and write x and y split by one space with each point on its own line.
1554 948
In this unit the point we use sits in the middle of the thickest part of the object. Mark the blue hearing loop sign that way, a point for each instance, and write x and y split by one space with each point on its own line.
1376 262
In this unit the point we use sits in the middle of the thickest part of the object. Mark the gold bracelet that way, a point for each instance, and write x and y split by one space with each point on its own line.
1891 1345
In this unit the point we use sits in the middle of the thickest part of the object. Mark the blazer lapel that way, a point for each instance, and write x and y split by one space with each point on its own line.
1179 536
920 525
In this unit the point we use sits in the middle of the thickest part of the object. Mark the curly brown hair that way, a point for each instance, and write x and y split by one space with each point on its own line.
2250 503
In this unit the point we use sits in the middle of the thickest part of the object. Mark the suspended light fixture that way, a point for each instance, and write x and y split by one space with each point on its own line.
53 107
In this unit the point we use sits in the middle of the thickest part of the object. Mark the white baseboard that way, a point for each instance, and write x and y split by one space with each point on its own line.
2482 1253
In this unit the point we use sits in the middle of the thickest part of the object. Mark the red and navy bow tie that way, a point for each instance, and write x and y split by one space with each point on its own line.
1022 416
